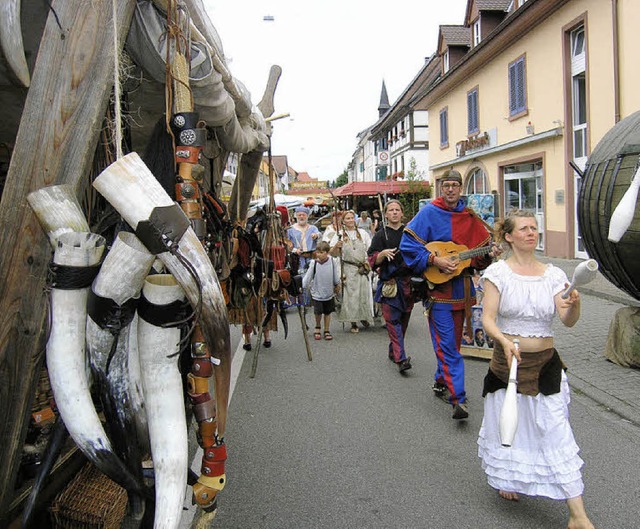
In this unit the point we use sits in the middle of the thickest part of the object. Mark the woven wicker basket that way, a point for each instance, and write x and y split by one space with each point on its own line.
90 501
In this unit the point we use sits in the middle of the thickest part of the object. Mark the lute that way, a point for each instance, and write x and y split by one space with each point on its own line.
458 252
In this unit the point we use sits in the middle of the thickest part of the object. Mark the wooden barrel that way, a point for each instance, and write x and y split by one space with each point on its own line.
607 176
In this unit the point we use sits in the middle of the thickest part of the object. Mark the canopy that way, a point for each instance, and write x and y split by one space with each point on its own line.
388 187
280 200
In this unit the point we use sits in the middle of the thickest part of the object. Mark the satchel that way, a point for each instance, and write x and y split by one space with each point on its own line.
364 268
390 288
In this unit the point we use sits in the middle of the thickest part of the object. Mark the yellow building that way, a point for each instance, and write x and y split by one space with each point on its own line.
528 88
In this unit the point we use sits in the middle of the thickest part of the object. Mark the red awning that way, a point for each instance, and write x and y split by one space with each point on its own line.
390 187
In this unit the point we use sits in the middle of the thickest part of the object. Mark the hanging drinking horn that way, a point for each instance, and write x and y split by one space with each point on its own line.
58 211
160 224
111 308
11 40
162 384
75 264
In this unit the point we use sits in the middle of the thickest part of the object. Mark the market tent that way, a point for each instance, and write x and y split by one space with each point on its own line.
280 200
385 187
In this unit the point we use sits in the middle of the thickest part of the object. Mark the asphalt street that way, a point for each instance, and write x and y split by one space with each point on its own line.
345 441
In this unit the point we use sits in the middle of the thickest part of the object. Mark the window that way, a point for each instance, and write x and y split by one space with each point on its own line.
444 128
477 37
472 112
579 93
477 183
517 88
445 61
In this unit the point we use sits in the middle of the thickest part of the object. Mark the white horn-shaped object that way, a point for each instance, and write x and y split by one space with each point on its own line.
120 280
134 192
11 40
584 273
66 358
625 211
58 211
164 400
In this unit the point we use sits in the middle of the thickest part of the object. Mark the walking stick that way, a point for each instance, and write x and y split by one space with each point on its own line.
254 364
304 333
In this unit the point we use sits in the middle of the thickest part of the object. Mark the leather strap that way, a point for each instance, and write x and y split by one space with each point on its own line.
467 301
205 410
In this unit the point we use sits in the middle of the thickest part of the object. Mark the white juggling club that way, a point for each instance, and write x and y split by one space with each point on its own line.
625 210
584 273
509 411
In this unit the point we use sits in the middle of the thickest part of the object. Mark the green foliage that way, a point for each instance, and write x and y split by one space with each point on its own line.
341 180
410 199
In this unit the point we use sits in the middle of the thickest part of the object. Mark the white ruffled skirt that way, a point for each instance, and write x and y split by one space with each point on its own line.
543 459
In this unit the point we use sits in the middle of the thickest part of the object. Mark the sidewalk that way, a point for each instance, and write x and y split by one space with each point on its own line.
617 388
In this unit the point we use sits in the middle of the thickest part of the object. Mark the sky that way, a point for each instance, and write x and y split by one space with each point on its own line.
334 55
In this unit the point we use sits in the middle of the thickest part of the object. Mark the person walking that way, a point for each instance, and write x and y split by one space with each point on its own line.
323 280
394 282
521 297
357 297
365 223
446 219
303 238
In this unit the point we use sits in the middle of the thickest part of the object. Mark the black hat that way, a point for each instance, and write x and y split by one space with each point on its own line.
452 176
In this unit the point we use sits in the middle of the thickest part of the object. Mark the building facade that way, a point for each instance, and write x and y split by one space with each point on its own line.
520 107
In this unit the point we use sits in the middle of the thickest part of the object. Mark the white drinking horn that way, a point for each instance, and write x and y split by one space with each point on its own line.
11 40
625 211
584 273
66 361
164 401
509 410
110 311
58 211
134 192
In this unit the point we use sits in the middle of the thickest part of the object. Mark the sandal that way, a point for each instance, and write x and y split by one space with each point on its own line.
354 328
327 335
317 335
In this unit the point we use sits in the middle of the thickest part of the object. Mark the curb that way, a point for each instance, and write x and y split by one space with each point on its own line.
610 403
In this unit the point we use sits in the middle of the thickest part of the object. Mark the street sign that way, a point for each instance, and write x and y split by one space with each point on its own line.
383 158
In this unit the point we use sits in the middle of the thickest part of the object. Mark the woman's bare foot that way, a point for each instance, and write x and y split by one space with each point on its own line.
580 523
511 496
578 518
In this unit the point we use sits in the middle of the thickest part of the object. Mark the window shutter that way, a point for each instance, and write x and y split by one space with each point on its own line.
517 93
520 85
512 89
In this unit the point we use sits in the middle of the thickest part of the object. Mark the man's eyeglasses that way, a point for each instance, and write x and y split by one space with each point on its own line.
450 185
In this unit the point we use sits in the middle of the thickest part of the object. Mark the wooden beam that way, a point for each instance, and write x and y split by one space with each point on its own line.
58 133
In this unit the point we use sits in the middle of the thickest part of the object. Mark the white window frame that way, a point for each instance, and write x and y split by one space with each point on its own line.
445 61
477 35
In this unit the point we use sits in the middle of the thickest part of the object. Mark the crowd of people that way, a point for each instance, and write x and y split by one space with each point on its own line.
372 259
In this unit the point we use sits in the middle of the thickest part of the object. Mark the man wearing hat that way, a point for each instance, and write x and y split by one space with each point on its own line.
303 237
446 219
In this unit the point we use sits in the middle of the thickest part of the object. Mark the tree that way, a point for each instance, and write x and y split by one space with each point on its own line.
341 180
410 199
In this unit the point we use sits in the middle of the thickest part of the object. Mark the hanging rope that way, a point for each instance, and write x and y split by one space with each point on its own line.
116 83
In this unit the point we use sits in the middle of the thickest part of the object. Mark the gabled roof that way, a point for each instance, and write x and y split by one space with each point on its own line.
427 75
304 177
279 163
455 35
486 5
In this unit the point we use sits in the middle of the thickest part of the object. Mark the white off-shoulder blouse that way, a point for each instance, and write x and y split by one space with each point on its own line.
526 304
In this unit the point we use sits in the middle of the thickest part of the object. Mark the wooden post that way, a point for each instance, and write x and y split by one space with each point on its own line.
59 130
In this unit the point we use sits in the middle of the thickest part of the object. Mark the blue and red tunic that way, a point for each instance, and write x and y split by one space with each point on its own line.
437 222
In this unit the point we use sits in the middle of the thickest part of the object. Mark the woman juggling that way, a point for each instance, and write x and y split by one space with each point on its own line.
521 297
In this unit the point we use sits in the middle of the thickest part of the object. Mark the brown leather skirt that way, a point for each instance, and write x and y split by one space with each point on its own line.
538 372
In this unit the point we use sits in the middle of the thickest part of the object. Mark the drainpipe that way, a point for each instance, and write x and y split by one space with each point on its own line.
616 61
